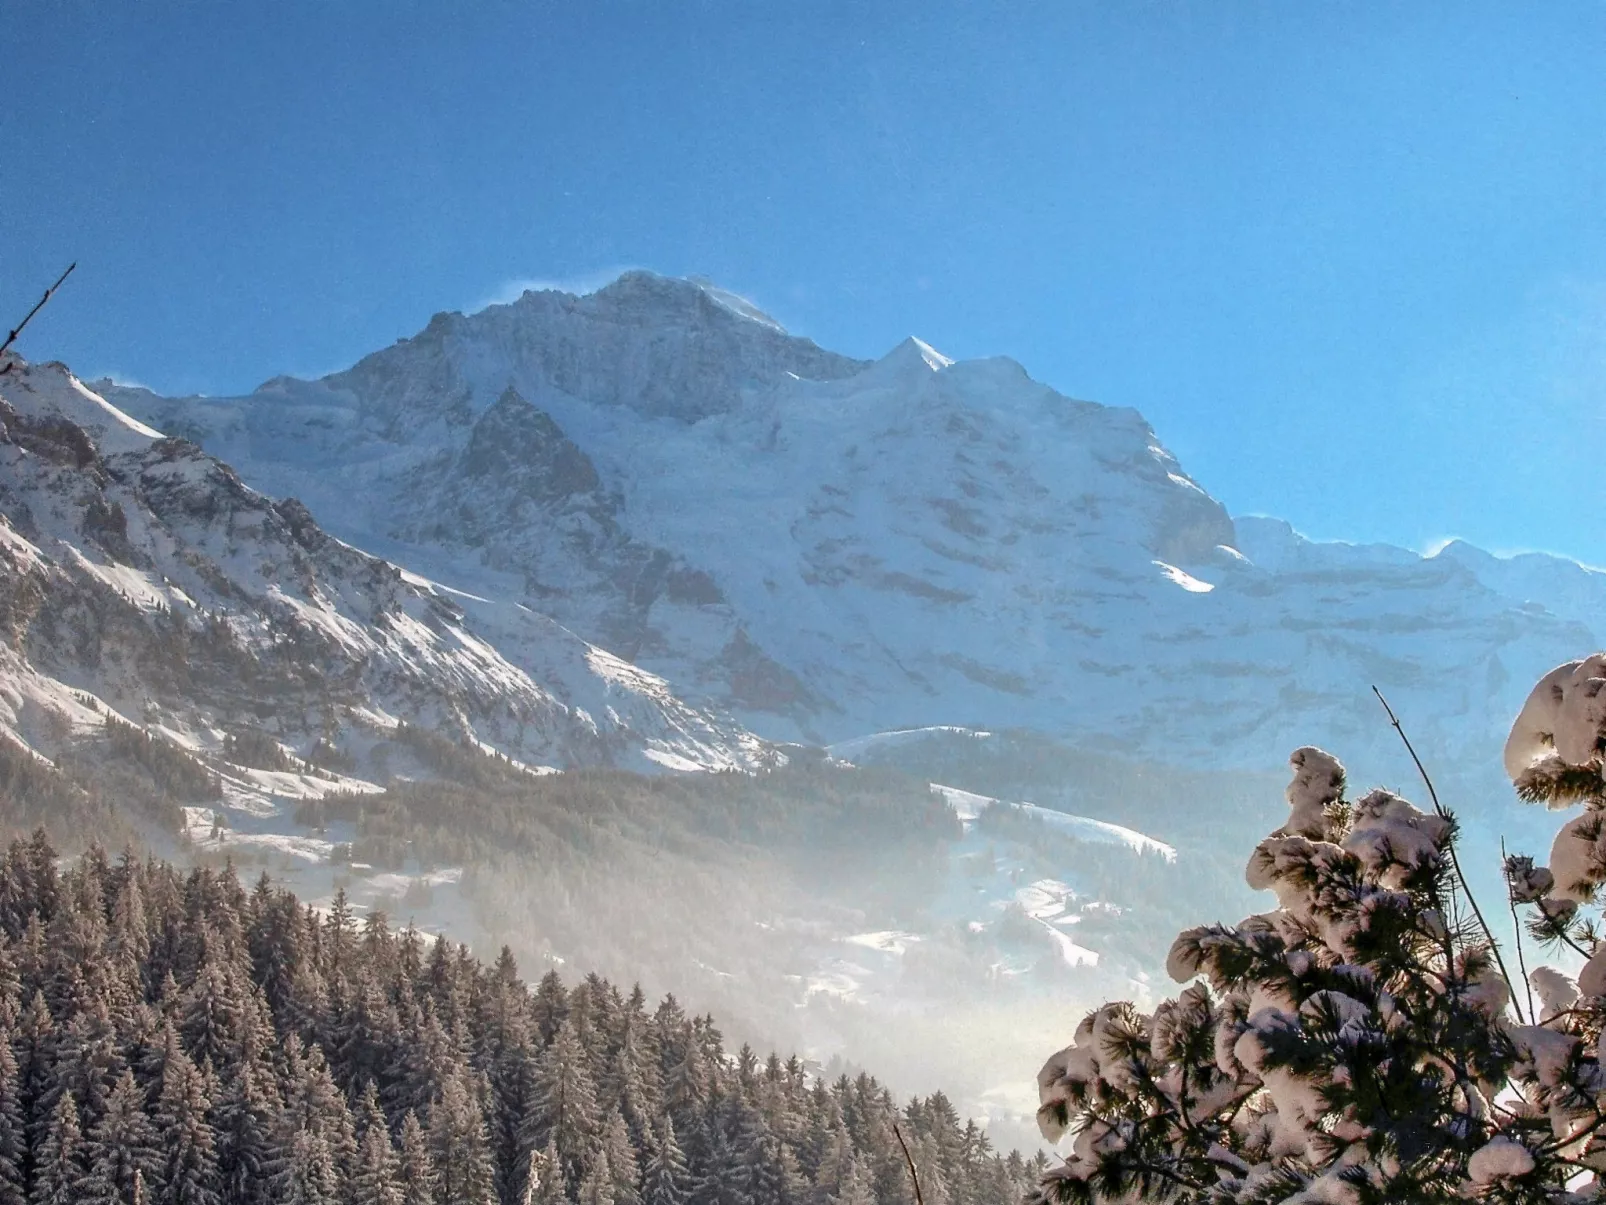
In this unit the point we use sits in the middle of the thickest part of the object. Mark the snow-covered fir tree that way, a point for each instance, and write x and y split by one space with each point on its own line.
460 1146
13 1135
415 1172
121 1146
666 1178
1361 1041
58 1172
376 1177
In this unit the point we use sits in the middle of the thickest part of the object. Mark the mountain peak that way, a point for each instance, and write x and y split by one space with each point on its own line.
913 357
735 303
641 289
50 390
929 355
662 346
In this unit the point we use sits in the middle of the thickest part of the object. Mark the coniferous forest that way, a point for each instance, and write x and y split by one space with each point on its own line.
173 1037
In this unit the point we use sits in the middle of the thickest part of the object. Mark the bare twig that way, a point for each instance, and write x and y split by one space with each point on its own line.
1516 933
38 305
1455 862
909 1159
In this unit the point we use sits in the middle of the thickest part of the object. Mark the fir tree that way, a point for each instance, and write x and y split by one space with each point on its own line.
340 933
722 1181
596 1188
190 1176
376 1177
856 1186
631 1082
758 1170
312 1177
506 1051
419 1069
122 1146
415 1168
252 1161
621 1159
1358 1043
376 1180
563 1107
315 1104
88 1059
666 1180
58 1165
460 1148
550 1007
213 1017
13 1133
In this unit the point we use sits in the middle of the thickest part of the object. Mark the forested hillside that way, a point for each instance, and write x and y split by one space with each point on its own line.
172 1037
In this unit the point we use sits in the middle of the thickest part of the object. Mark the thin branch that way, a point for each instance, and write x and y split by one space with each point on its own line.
38 305
1455 861
1556 931
1165 1173
1516 932
1568 1012
1556 1144
909 1159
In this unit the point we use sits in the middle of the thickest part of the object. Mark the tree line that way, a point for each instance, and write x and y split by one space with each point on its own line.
169 1036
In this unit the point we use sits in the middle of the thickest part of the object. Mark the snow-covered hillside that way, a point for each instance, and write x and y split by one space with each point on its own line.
831 547
145 588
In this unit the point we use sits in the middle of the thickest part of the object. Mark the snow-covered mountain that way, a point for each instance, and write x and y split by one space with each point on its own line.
830 547
144 587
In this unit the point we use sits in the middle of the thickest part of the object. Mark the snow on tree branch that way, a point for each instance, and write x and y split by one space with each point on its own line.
1355 1043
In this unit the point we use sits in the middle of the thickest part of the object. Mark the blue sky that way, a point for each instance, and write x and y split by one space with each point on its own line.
1349 260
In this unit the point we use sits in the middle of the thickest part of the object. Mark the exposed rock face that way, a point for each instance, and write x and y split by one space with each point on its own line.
829 546
140 577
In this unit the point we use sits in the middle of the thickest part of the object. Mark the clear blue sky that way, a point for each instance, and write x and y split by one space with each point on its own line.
1350 260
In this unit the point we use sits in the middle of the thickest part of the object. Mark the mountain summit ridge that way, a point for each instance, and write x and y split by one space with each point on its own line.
830 546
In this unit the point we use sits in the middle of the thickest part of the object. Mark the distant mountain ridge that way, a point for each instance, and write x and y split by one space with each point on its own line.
828 547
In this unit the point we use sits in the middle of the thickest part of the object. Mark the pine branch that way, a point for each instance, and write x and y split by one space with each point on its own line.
38 305
1556 783
1455 861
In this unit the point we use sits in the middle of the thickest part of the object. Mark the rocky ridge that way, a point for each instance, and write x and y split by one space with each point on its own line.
145 586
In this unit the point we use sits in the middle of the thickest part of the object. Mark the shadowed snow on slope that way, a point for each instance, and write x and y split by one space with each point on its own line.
141 574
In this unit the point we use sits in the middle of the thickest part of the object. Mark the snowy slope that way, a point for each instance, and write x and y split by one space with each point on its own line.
142 580
968 805
831 547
